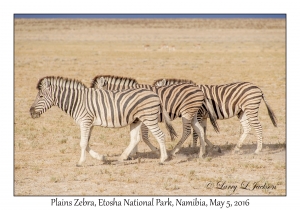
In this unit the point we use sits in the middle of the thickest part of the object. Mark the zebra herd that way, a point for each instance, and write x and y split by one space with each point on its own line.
114 102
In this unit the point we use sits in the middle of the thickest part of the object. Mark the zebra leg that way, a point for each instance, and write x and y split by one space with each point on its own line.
246 129
159 136
135 149
92 152
200 131
134 132
146 140
195 135
248 118
195 138
202 119
186 124
144 130
199 118
258 131
203 123
85 133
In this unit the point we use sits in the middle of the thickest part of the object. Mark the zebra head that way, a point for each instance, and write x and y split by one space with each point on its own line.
44 99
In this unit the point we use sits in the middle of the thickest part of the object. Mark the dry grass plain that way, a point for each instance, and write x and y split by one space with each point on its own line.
46 150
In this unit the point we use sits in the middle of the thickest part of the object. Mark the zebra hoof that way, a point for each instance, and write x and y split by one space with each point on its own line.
203 156
257 152
123 158
133 154
162 160
160 163
78 165
173 153
101 158
130 158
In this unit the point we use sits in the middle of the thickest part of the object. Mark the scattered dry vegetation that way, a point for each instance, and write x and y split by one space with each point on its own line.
207 51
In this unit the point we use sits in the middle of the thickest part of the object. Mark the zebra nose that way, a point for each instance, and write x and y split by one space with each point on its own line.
32 110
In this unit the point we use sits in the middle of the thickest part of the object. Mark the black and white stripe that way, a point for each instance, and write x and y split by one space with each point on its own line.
90 107
180 100
240 99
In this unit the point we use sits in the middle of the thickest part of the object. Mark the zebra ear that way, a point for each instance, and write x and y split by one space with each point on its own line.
46 83
43 83
102 82
163 82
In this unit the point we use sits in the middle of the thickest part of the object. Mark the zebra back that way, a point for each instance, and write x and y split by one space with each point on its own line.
58 81
109 82
167 82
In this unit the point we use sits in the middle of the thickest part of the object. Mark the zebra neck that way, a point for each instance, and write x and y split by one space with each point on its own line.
125 86
69 100
120 86
149 87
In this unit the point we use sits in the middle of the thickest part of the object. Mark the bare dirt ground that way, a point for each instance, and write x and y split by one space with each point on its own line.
46 150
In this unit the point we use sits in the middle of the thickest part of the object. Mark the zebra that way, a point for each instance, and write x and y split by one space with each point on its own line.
180 100
113 109
238 98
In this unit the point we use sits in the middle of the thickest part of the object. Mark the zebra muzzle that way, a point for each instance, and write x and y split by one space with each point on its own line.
33 113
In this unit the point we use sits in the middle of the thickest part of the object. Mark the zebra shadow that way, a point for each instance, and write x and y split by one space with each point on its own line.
248 149
139 157
192 153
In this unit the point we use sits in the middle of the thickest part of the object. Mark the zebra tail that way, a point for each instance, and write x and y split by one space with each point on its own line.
270 112
212 115
168 124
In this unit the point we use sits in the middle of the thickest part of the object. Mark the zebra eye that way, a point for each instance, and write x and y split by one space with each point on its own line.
41 96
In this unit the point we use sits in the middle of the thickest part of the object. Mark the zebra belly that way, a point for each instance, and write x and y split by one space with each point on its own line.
110 124
221 114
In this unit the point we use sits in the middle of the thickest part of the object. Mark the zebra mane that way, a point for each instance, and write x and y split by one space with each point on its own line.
59 81
112 77
175 81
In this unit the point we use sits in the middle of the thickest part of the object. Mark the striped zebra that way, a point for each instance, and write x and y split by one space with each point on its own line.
113 109
239 98
181 100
